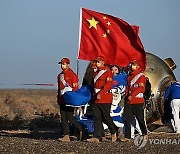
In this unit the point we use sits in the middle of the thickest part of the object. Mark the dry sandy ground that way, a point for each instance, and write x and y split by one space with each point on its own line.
37 142
29 109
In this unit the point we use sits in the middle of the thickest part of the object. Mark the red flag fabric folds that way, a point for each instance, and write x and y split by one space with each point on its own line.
105 35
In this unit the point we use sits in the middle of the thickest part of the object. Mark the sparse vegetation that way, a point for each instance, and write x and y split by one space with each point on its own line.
28 108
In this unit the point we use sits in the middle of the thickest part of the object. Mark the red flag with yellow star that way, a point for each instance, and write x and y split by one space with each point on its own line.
105 35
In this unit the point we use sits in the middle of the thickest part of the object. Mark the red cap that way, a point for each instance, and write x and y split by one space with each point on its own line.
64 60
135 62
100 58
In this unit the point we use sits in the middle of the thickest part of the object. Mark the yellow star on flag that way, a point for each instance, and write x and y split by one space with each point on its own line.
104 17
108 31
93 23
104 35
108 23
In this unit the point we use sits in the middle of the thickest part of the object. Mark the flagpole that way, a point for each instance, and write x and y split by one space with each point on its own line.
77 71
80 27
80 24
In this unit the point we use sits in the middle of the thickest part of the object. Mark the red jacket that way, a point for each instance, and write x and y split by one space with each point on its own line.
71 79
102 86
136 88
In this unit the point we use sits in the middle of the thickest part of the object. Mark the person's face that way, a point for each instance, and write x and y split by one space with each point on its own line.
95 69
100 64
114 70
135 67
64 66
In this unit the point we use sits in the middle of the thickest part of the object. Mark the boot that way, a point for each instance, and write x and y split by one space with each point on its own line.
124 139
145 138
93 140
103 138
65 138
113 137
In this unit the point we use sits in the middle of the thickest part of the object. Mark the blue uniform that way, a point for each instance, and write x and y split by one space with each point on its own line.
173 92
121 79
172 95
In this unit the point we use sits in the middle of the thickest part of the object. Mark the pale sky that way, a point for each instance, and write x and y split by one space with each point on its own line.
36 34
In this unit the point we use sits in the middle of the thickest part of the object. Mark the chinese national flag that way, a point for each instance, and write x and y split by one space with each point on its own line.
104 35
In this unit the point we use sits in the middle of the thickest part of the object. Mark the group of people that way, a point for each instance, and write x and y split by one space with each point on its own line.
102 99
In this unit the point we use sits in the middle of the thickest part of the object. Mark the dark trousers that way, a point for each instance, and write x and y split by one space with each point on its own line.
67 114
131 110
101 113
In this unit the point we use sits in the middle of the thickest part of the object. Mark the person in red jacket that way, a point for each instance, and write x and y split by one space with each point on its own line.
67 81
102 100
134 104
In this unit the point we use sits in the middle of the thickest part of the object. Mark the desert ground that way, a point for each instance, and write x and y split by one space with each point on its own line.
30 123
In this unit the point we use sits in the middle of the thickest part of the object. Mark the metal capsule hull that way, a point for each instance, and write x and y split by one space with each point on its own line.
160 75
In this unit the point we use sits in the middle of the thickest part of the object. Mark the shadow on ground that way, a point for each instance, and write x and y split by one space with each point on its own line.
41 127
